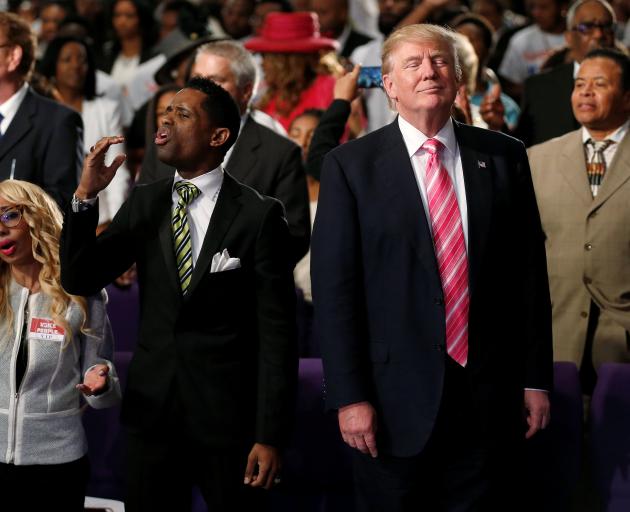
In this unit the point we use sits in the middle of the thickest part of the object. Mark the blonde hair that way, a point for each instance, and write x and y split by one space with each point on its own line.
421 33
44 219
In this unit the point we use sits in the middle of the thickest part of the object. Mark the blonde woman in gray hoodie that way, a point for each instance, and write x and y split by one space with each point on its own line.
55 348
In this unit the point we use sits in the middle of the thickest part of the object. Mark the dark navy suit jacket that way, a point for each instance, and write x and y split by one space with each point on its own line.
379 306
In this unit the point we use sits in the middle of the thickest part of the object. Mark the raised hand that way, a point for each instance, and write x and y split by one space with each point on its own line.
96 175
492 110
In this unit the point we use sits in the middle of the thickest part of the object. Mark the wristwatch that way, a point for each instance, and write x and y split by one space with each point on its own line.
80 205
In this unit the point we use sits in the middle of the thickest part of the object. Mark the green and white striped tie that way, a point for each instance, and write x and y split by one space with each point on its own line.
181 233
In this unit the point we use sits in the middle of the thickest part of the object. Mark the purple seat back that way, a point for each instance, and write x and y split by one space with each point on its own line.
317 472
554 455
106 443
610 436
123 309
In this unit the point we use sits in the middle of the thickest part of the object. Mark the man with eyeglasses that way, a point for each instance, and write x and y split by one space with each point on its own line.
546 104
40 140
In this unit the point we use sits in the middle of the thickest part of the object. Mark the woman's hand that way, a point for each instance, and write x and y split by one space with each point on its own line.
95 380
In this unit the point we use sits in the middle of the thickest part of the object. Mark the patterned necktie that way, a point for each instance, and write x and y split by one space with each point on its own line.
181 233
596 166
450 251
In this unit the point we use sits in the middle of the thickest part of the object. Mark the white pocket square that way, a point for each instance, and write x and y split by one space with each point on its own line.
221 261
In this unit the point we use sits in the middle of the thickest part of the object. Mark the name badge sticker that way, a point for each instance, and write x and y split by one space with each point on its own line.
47 330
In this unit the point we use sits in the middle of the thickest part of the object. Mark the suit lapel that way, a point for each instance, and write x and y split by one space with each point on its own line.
477 168
573 168
617 173
243 158
223 215
401 193
166 235
20 125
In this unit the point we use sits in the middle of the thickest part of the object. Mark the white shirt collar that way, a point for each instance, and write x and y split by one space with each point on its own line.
414 138
208 183
10 107
616 136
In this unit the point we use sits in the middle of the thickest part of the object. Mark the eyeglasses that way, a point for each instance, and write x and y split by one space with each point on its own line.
10 217
589 27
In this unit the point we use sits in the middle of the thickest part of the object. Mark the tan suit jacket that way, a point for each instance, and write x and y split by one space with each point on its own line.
588 247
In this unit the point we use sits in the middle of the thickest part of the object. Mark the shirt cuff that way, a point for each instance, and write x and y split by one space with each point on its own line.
534 389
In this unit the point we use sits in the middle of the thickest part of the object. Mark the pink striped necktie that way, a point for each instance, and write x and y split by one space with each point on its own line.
450 251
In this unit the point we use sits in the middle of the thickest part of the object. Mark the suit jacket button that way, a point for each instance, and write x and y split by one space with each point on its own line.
583 314
587 280
588 246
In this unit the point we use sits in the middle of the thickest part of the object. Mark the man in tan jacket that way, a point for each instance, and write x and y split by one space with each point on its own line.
582 183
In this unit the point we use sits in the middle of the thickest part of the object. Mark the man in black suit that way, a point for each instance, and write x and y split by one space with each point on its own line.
40 140
210 389
334 21
546 105
430 294
269 163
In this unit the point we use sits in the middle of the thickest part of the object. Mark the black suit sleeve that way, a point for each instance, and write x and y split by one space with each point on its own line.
63 159
89 263
524 129
338 294
537 324
277 357
291 190
327 136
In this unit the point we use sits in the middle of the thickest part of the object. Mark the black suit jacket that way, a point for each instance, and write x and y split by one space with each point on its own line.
44 145
379 310
227 350
271 165
546 106
354 40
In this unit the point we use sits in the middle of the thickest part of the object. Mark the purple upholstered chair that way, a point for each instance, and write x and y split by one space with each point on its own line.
610 436
123 309
554 455
106 446
317 474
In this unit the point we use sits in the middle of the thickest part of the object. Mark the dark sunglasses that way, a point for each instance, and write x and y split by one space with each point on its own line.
10 217
589 27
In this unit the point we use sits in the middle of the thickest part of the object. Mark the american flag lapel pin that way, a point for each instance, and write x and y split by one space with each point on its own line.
481 164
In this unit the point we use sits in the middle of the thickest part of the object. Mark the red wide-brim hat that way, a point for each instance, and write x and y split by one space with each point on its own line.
291 32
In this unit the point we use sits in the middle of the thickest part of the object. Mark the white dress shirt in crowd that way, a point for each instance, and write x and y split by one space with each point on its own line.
378 111
102 118
10 107
200 210
450 158
609 153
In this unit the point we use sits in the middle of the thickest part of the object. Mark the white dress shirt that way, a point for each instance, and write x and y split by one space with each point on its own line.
609 153
10 107
450 158
200 210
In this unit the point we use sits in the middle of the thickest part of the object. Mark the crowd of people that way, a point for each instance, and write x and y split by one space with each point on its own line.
468 210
